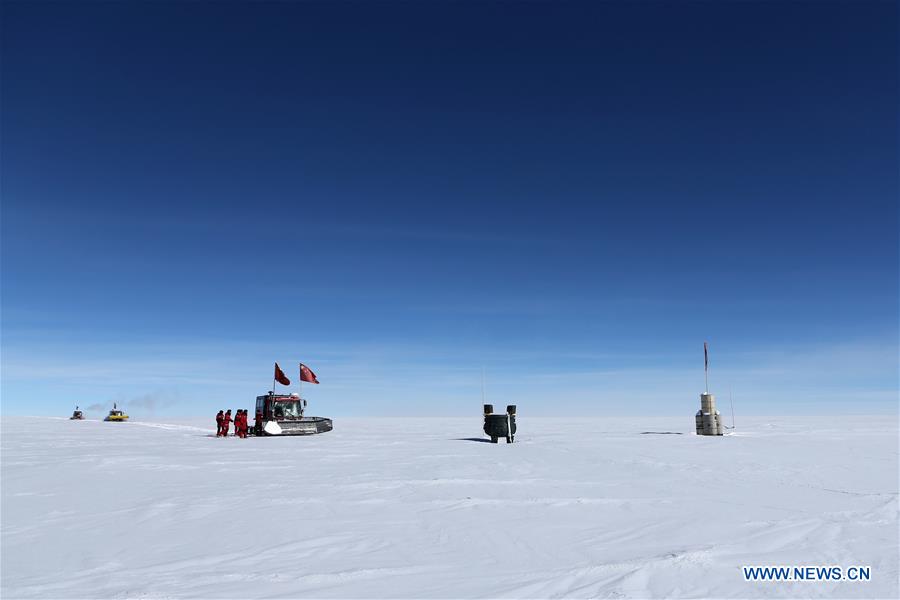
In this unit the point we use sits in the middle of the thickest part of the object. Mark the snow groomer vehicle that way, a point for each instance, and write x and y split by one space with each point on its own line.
498 426
282 414
77 415
116 415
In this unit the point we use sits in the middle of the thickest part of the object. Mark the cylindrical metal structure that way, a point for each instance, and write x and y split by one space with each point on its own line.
500 426
708 421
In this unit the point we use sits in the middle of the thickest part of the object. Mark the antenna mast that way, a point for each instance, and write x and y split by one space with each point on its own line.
731 400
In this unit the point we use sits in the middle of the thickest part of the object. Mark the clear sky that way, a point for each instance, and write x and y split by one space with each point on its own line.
572 196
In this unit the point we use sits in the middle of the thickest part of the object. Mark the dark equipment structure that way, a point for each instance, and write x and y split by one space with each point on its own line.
77 415
500 425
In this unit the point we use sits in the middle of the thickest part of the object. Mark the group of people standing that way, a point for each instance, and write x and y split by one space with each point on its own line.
223 422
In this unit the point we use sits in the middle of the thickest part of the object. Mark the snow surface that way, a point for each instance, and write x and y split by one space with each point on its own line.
415 508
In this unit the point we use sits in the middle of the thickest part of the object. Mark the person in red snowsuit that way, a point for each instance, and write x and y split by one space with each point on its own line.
245 426
219 418
239 424
226 422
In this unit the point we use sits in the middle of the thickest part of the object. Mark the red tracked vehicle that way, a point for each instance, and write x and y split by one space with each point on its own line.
282 414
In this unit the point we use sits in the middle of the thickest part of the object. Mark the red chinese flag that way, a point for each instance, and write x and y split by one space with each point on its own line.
307 375
280 377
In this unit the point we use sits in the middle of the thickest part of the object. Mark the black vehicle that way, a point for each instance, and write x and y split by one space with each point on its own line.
502 425
282 414
77 415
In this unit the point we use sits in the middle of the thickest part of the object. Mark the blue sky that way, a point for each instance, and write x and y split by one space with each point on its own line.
573 196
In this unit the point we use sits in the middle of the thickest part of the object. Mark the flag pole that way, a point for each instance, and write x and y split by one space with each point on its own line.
731 399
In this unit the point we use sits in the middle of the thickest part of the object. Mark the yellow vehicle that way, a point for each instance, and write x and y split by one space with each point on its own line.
116 415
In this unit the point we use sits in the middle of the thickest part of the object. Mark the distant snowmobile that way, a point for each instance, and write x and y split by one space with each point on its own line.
77 415
282 414
116 416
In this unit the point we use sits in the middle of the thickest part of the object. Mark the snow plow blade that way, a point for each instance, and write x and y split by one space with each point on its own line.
303 426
